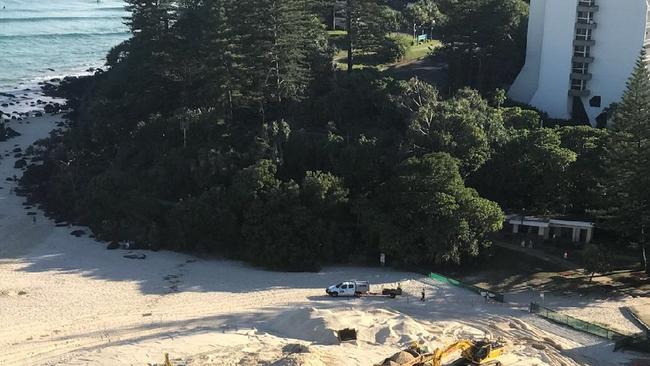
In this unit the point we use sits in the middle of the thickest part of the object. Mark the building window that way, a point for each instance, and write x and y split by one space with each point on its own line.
585 17
583 34
581 51
587 2
578 84
580 68
595 101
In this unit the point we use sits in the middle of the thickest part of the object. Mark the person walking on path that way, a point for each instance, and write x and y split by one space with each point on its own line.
423 295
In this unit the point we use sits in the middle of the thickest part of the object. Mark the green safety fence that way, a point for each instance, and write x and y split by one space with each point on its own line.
576 324
493 295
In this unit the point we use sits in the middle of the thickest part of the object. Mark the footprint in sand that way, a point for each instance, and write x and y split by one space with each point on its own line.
173 280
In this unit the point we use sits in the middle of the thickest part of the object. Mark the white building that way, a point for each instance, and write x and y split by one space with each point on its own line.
580 55
551 228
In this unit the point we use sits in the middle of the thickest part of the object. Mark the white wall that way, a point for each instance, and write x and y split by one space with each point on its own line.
619 39
557 50
525 86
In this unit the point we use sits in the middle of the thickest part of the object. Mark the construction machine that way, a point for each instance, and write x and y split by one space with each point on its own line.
473 353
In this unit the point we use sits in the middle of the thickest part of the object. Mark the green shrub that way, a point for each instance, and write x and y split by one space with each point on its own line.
394 48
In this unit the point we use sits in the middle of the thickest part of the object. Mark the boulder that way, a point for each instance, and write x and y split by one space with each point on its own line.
135 256
20 163
10 132
113 245
78 233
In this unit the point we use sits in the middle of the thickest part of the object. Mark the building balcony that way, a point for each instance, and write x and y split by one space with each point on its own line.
586 60
585 22
580 76
588 8
591 25
579 93
584 42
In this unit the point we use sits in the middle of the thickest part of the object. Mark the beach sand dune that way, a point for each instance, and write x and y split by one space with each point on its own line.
66 300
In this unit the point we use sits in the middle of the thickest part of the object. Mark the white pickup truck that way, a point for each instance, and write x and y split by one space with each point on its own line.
359 288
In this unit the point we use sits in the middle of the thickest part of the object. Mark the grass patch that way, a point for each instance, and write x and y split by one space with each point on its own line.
414 53
337 33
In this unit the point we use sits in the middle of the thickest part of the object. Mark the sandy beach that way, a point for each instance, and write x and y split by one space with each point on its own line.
66 300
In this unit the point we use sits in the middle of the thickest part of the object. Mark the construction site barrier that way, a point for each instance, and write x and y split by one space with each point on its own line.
481 291
577 324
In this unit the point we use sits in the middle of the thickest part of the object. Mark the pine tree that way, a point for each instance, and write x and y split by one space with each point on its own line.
277 40
366 27
151 48
628 159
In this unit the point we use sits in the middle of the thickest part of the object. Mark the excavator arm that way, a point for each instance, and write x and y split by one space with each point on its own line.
439 354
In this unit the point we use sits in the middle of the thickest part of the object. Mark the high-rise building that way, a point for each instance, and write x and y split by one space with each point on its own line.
580 55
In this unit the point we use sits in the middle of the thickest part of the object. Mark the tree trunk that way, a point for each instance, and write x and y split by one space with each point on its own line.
348 16
643 251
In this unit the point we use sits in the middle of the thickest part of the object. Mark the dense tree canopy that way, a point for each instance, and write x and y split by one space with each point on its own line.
223 127
426 214
485 40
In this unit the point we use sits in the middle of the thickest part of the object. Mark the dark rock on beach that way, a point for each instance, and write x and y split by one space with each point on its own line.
20 163
78 233
50 108
113 245
135 256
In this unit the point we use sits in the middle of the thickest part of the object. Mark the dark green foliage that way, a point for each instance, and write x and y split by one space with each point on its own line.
526 172
221 127
628 160
521 119
394 48
464 126
367 23
484 41
426 214
584 190
596 259
422 15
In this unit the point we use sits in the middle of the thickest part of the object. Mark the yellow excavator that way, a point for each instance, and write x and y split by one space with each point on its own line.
473 353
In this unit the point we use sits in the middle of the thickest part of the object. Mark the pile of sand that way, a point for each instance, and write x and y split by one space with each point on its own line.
307 324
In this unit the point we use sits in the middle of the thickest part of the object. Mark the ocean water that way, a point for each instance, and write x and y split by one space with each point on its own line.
43 39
